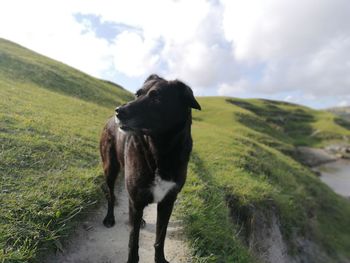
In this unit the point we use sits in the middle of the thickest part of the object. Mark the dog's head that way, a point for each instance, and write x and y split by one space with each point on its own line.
159 106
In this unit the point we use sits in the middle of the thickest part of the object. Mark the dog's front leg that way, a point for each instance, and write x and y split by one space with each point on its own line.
164 210
135 219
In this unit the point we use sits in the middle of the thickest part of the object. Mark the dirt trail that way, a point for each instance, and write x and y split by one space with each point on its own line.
94 243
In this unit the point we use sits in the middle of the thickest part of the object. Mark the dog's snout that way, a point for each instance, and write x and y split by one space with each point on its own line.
120 112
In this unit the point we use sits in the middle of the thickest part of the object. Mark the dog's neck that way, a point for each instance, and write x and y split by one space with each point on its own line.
173 138
170 148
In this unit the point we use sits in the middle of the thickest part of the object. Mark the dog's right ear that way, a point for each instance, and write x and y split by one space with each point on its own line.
188 96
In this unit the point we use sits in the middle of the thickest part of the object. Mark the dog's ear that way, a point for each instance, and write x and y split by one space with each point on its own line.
188 95
152 77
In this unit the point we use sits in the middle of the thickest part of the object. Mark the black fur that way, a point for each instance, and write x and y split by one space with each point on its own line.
152 138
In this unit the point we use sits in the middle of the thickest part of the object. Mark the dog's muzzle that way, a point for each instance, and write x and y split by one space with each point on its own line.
119 114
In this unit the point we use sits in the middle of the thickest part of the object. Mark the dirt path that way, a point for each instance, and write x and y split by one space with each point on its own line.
94 243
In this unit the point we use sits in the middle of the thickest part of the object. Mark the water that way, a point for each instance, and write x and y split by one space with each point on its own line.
337 176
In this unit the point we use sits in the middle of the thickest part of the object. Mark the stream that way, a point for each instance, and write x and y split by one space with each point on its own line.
337 176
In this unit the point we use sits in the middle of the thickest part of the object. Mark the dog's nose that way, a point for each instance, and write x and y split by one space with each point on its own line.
120 112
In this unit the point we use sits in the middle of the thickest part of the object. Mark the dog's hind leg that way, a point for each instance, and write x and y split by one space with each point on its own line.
135 221
111 175
111 169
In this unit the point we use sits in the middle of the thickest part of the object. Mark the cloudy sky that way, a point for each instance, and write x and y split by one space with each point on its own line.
292 50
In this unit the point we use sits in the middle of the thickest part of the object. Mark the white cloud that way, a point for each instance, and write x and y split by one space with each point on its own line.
231 46
282 28
305 45
288 98
50 29
234 89
174 20
133 55
343 103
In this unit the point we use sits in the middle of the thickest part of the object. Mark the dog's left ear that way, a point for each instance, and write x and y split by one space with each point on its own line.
188 96
152 77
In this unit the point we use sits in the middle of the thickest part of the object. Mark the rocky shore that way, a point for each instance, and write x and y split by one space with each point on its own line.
313 156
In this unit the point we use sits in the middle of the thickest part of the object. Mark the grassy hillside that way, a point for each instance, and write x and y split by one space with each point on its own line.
247 171
50 120
243 166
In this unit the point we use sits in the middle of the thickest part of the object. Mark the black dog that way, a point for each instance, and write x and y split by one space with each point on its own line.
150 137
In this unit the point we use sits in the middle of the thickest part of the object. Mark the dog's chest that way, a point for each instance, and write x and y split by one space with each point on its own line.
160 188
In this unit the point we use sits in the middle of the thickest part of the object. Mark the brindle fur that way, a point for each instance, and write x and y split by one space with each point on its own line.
152 138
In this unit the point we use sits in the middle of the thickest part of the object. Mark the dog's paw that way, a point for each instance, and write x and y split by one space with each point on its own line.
160 259
134 259
108 222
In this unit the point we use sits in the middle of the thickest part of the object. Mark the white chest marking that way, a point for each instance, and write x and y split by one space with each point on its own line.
116 120
160 188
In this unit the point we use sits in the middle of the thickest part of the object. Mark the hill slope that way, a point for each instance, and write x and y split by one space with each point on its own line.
50 120
246 197
247 194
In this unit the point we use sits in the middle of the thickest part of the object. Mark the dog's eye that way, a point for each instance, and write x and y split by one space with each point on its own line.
153 94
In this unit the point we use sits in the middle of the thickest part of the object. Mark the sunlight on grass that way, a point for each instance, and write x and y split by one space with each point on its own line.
250 158
49 161
244 153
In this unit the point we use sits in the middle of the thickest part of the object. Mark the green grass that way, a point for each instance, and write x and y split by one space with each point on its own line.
243 162
50 120
248 166
25 66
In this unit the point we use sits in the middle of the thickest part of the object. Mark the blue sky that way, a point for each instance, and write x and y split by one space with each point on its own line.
291 50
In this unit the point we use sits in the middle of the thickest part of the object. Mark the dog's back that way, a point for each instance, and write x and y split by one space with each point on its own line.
112 145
